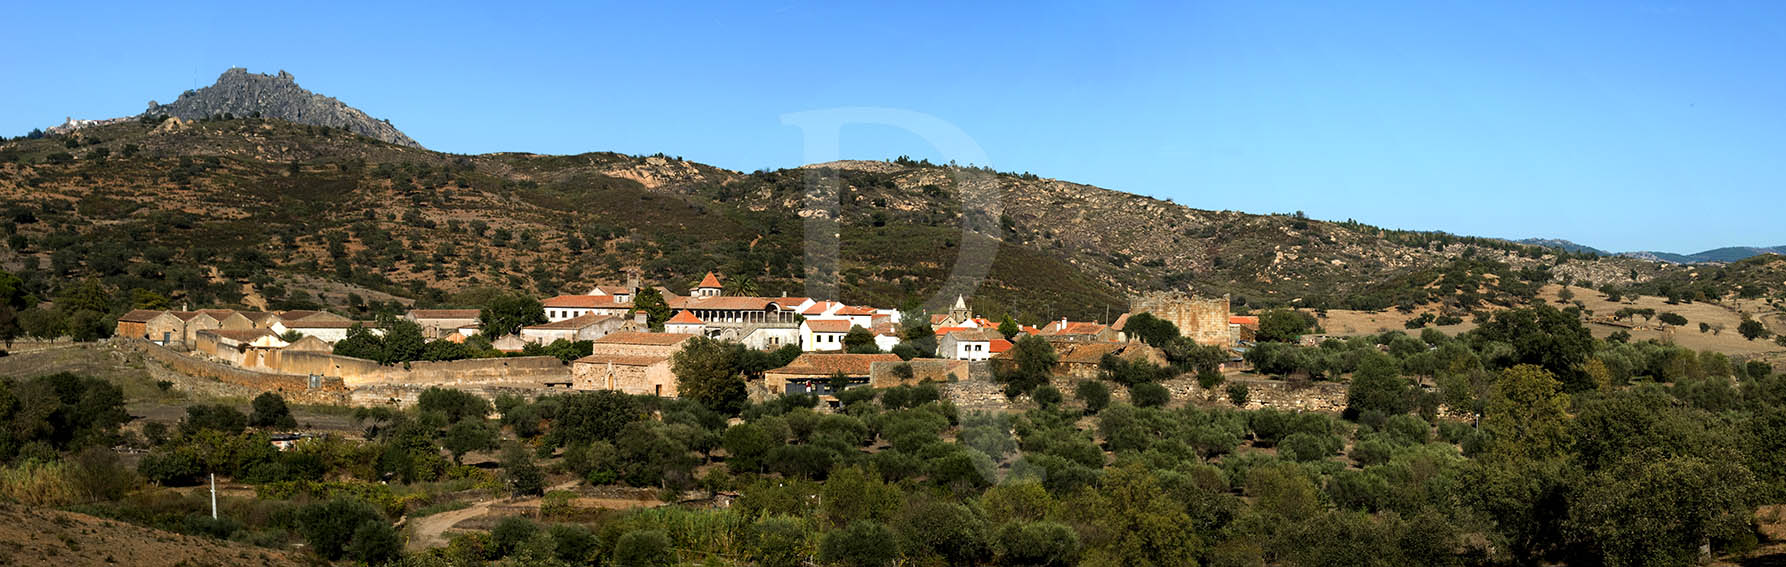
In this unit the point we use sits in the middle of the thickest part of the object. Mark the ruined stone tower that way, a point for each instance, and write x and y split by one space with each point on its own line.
1202 319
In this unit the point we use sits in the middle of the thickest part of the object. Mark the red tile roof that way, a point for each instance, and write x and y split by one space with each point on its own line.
825 364
998 346
140 315
586 301
1243 320
309 324
940 331
1072 328
977 335
634 338
829 325
419 314
239 335
621 360
730 303
709 281
685 318
572 323
854 310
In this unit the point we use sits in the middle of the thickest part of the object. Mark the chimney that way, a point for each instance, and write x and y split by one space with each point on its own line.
641 319
1063 324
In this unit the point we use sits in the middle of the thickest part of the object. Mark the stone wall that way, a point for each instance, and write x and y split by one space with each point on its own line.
356 372
881 374
327 390
1203 319
987 395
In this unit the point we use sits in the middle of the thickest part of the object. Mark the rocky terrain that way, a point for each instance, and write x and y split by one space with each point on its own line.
240 93
254 191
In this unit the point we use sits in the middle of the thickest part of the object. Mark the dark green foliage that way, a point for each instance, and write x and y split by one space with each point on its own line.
592 416
1094 394
504 315
1046 396
1034 361
60 412
1284 325
270 411
1378 387
1149 395
863 543
1752 329
511 533
220 418
1544 336
643 548
1238 393
1045 544
469 435
652 303
453 404
711 372
332 527
945 530
524 478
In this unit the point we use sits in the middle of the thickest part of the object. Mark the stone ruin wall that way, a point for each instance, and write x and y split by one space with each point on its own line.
1202 319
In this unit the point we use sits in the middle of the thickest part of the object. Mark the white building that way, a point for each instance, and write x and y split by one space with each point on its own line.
975 344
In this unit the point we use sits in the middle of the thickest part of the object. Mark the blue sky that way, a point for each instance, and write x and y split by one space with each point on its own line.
1627 125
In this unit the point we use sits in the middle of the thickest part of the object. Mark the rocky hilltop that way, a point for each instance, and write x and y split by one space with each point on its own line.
240 93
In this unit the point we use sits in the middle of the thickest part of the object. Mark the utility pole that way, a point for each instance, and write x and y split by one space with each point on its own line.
213 496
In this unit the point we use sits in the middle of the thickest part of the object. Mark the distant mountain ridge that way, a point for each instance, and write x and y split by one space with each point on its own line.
1724 255
242 94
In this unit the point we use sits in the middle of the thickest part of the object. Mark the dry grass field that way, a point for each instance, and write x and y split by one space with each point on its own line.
35 536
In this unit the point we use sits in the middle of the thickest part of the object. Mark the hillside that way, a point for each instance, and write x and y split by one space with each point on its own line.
269 213
36 536
240 93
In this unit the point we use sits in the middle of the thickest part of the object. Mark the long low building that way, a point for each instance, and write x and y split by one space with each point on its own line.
630 362
811 373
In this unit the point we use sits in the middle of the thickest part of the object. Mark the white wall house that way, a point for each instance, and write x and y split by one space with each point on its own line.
968 345
823 335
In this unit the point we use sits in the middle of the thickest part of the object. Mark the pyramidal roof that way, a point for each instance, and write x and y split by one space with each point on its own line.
684 317
960 302
709 281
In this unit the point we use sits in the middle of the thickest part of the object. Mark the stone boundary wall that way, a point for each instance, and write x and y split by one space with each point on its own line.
983 394
329 390
880 374
535 371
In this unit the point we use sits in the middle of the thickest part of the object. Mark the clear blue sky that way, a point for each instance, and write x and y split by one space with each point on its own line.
1623 125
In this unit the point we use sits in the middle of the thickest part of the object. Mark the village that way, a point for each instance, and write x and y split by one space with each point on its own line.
837 343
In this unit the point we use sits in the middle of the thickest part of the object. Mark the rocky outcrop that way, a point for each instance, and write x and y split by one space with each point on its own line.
242 94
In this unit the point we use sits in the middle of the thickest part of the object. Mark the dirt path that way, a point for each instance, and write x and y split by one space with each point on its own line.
430 531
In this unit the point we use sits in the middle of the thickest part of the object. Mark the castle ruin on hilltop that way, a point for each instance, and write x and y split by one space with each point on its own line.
1202 319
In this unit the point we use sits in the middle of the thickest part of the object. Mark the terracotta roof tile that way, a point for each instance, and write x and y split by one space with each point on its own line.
140 315
572 323
825 364
586 301
977 335
829 325
1243 320
419 314
709 281
635 338
683 317
621 360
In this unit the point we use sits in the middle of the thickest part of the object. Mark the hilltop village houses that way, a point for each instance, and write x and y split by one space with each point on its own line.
628 355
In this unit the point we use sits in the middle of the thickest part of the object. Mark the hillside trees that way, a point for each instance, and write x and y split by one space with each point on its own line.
1284 325
652 303
710 372
504 315
1033 362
